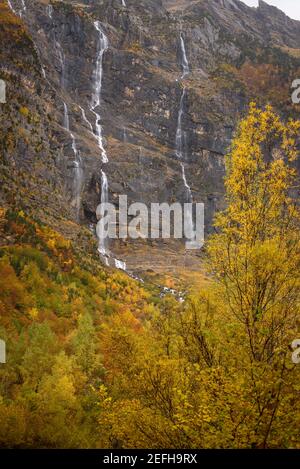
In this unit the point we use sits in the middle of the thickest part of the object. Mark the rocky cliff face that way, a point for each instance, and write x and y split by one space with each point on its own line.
207 58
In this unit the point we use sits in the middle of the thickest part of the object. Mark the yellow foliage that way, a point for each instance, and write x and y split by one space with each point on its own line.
24 111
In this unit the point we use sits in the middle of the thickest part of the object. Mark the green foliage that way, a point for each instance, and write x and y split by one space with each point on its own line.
51 313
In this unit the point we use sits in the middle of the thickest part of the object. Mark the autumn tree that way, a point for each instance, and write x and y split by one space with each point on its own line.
255 258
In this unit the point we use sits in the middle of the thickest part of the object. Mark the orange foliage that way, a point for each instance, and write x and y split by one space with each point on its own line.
265 80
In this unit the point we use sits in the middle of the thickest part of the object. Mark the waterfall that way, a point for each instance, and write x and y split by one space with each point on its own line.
179 135
189 222
20 12
121 265
96 109
78 179
44 73
123 3
179 141
179 144
66 118
124 135
96 99
96 102
85 119
11 7
62 61
103 249
23 11
184 60
50 11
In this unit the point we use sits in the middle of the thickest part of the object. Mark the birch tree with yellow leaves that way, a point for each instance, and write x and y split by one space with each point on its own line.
255 259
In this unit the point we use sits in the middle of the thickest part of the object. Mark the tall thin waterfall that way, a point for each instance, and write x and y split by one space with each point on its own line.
77 164
184 60
103 248
96 99
96 109
62 61
123 3
66 118
179 142
179 134
96 104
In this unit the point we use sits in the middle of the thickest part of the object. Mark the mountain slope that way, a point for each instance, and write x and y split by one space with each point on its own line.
235 54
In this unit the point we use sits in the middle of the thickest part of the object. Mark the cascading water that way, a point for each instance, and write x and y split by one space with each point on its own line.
180 143
190 226
184 60
21 12
95 109
62 61
96 99
121 265
66 118
179 135
96 102
123 3
50 11
180 140
85 119
103 249
124 135
11 7
77 164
